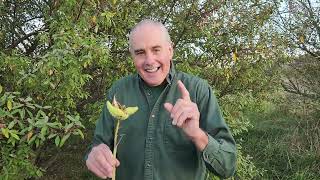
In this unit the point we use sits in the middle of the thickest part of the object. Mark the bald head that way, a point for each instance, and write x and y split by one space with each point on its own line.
148 23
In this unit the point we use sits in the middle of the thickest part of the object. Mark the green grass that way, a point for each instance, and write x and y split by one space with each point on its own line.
284 145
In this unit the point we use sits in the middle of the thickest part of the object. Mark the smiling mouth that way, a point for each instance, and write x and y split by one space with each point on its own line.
152 69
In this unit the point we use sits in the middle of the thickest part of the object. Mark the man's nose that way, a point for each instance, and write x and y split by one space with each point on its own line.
149 58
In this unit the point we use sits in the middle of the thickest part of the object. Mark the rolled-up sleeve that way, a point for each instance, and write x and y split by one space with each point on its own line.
220 153
220 157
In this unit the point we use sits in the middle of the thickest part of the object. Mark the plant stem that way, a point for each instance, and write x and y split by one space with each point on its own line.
115 146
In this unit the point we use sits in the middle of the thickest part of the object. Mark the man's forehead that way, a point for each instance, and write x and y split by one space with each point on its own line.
148 31
149 38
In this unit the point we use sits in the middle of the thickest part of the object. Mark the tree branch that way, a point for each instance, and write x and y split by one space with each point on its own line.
17 42
80 11
170 11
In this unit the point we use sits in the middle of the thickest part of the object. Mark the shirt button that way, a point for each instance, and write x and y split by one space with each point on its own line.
152 116
148 93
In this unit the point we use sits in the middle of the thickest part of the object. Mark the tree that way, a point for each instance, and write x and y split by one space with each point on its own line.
300 23
65 54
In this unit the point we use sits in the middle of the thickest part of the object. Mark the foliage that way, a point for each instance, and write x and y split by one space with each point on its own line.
299 24
25 129
16 164
65 54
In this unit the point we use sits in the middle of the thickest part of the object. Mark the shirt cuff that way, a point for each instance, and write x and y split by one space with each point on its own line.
211 149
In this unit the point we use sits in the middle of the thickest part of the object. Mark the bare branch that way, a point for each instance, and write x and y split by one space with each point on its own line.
80 11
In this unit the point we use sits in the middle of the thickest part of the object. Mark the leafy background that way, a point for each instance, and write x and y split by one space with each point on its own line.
58 58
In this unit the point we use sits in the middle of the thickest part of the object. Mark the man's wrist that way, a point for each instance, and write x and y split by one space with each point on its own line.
200 139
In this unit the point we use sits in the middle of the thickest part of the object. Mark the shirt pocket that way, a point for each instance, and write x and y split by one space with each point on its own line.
175 139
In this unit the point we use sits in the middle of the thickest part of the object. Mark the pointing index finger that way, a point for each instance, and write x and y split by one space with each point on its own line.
184 92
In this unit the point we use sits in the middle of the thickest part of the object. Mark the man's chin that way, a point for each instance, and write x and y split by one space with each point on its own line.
153 83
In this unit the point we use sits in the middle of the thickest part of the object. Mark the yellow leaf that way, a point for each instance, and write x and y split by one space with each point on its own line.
301 39
94 19
29 135
9 104
5 132
234 56
50 72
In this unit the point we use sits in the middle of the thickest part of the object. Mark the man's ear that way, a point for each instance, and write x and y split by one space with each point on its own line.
171 50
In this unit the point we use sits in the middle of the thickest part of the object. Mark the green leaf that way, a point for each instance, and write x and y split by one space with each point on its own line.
57 141
67 127
44 130
51 136
9 104
46 107
28 99
1 88
63 140
22 113
30 114
14 135
70 117
11 124
39 173
5 132
53 125
80 133
32 139
37 141
21 125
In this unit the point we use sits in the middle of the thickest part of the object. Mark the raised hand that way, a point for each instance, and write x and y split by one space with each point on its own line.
101 161
185 114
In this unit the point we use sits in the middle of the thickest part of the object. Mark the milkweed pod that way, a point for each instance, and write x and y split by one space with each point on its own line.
131 110
116 112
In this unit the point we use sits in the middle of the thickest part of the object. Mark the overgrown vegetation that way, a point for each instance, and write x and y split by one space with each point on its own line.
57 58
284 142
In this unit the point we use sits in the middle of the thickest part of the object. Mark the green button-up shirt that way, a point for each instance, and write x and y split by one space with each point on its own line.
151 148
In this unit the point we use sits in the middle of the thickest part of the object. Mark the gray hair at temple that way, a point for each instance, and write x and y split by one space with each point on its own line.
149 22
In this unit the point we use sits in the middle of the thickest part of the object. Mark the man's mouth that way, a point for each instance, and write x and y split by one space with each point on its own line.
152 69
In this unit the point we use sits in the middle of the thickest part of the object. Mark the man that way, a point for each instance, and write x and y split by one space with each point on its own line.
178 130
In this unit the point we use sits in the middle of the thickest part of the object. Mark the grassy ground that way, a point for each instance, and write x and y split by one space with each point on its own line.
286 146
283 145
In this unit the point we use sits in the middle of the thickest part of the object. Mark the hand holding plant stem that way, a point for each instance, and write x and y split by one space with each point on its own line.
120 113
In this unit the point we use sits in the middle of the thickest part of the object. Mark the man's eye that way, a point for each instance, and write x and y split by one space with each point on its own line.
139 52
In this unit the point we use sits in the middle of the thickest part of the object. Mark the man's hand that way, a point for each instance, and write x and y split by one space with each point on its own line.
101 161
185 114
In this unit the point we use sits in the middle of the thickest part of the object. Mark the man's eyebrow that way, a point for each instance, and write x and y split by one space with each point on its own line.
138 50
157 46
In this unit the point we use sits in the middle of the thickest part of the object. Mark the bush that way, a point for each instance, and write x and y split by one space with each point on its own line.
26 128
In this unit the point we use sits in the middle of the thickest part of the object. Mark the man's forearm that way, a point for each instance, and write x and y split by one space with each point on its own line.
200 139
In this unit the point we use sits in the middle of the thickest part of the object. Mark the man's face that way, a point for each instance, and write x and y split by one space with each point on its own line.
151 53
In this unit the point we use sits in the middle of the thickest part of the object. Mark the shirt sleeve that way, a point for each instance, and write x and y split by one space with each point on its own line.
220 153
